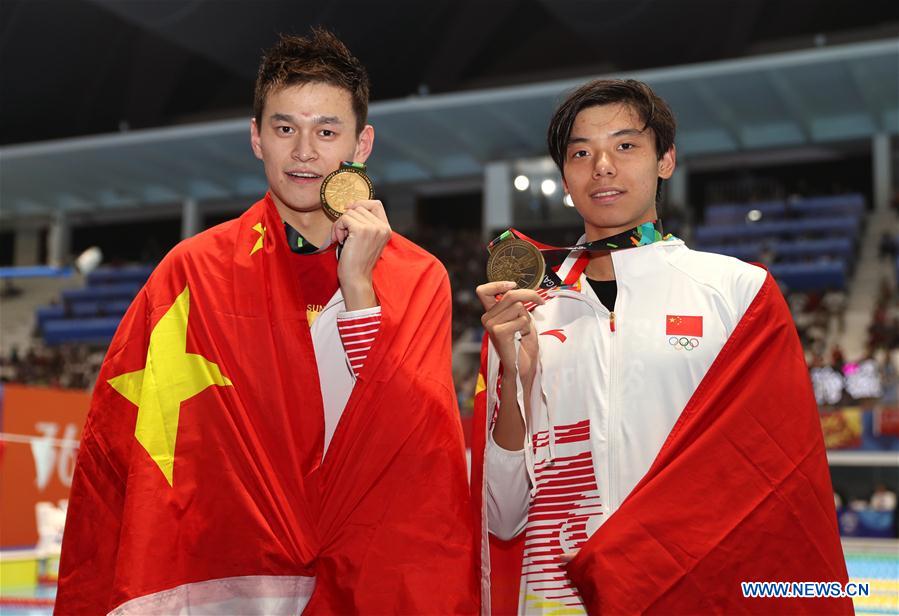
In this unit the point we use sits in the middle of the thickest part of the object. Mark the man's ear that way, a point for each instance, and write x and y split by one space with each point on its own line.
254 139
364 144
667 163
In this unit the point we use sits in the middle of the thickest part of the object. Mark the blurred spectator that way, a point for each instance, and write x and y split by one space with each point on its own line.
767 255
887 249
827 383
836 357
835 302
883 499
70 366
858 504
9 289
883 333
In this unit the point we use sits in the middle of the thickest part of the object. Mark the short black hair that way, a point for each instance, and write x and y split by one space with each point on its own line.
318 58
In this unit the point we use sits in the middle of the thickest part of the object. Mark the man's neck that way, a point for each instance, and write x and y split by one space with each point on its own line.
600 266
314 225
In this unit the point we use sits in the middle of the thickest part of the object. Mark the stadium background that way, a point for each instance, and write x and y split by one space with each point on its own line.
124 128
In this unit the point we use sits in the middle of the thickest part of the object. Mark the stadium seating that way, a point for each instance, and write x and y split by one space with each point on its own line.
836 226
810 244
852 204
92 313
840 248
802 277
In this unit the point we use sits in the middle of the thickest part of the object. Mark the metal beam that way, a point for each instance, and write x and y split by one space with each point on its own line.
472 147
524 136
792 101
720 109
423 159
863 81
741 66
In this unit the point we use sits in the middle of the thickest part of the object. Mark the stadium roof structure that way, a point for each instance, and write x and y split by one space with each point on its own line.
792 99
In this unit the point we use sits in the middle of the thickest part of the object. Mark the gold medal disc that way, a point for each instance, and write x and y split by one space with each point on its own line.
342 187
517 261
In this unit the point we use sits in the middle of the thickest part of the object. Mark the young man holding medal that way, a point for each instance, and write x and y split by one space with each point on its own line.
274 429
646 437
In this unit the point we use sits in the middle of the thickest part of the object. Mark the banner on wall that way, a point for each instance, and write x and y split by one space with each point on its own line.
40 430
842 428
886 422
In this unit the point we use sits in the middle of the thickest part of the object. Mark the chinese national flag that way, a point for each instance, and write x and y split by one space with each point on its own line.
202 485
680 325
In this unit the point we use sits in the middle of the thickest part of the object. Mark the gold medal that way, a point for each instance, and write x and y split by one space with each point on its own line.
346 185
517 261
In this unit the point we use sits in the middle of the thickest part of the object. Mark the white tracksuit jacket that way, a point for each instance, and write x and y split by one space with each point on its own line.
604 401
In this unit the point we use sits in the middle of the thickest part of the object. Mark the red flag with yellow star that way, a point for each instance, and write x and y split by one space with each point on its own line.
739 492
200 482
681 325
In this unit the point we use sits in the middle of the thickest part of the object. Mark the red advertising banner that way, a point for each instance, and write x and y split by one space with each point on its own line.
40 432
886 421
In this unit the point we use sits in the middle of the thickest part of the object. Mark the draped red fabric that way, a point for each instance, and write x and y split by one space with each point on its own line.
739 492
381 522
499 586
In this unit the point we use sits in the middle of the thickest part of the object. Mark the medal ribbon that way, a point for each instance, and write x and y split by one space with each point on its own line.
641 235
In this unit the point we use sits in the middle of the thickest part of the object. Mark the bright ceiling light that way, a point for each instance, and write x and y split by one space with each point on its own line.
567 200
522 182
548 187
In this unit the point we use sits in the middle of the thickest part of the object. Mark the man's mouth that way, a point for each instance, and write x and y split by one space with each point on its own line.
302 177
606 195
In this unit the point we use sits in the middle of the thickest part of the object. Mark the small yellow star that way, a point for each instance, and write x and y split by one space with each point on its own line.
481 384
258 228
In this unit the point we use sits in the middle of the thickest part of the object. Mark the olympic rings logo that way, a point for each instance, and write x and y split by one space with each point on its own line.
687 344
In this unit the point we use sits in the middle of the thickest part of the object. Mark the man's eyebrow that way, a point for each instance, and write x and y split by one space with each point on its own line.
282 117
625 132
286 117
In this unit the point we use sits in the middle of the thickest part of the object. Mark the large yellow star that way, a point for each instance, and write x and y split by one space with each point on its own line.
170 376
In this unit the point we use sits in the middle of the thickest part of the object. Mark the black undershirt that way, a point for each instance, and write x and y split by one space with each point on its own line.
606 291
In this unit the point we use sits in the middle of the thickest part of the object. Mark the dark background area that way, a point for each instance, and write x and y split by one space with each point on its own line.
81 67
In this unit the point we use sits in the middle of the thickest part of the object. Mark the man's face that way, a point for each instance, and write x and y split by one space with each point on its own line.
611 169
305 133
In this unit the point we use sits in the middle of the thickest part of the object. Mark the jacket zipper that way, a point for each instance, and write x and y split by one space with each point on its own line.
612 415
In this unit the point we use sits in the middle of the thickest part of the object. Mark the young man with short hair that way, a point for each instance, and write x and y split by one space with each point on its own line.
274 429
652 419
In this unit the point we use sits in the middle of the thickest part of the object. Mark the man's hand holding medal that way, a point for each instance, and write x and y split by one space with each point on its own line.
360 226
